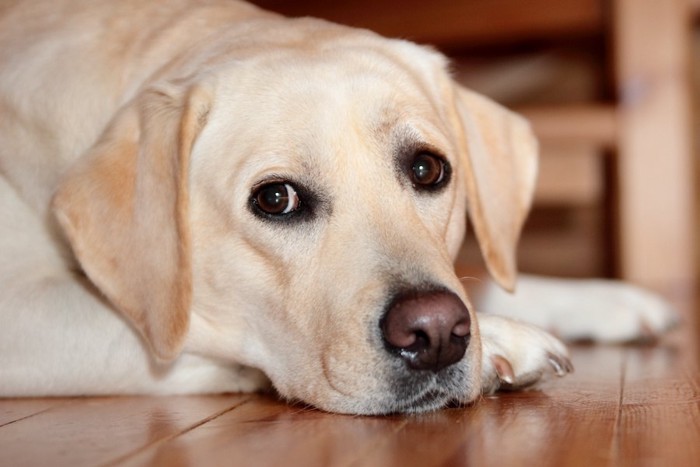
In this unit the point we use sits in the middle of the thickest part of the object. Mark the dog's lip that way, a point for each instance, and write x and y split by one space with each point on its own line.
431 397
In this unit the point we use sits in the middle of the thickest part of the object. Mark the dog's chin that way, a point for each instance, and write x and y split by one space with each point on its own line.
418 392
407 392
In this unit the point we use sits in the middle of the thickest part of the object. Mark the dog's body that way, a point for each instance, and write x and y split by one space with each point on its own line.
199 196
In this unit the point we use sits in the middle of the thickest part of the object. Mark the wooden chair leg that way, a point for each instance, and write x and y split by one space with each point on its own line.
652 40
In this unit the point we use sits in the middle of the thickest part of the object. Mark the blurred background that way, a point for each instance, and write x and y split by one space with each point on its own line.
612 89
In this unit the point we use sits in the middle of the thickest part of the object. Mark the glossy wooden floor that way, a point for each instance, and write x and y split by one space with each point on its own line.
631 406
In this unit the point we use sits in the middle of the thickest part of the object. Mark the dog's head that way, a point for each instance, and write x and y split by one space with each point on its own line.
298 208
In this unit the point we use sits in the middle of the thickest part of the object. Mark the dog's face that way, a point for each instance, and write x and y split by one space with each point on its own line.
301 215
342 191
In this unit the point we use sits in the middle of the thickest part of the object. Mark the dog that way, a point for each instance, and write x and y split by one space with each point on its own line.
199 196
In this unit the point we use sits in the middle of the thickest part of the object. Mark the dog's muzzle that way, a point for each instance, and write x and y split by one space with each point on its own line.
429 330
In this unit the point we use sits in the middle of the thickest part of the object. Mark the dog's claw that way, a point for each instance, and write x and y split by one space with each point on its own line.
504 370
518 355
561 364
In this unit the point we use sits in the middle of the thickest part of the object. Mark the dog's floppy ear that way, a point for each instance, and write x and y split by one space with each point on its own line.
500 161
124 209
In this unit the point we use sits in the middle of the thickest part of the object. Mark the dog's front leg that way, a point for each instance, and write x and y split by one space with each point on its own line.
516 354
600 310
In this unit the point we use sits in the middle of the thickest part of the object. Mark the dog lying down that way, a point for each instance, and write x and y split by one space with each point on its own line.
198 196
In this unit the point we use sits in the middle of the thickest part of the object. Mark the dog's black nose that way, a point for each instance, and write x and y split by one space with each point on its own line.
429 330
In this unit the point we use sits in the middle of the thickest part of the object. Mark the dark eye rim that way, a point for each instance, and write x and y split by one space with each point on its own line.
433 187
307 201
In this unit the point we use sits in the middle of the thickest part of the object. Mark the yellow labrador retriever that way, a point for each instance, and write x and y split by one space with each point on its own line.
200 196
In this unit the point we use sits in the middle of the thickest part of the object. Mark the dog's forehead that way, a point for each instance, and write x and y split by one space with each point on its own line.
301 96
356 70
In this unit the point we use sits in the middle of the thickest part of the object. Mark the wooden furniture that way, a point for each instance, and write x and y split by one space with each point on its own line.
646 127
652 49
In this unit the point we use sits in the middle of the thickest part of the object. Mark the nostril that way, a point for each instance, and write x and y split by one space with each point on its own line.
462 328
429 330
419 340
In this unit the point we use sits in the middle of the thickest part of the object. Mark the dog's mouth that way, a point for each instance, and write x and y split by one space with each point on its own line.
401 390
417 393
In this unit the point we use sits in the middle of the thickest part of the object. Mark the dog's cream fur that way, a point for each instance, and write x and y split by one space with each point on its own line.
133 134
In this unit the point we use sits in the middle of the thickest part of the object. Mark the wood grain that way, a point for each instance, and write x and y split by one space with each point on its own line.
91 431
14 410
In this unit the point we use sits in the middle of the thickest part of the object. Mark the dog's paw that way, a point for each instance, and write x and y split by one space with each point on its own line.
516 355
598 310
618 312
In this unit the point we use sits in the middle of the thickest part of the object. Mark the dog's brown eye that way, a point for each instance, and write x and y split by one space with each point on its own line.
428 169
276 198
